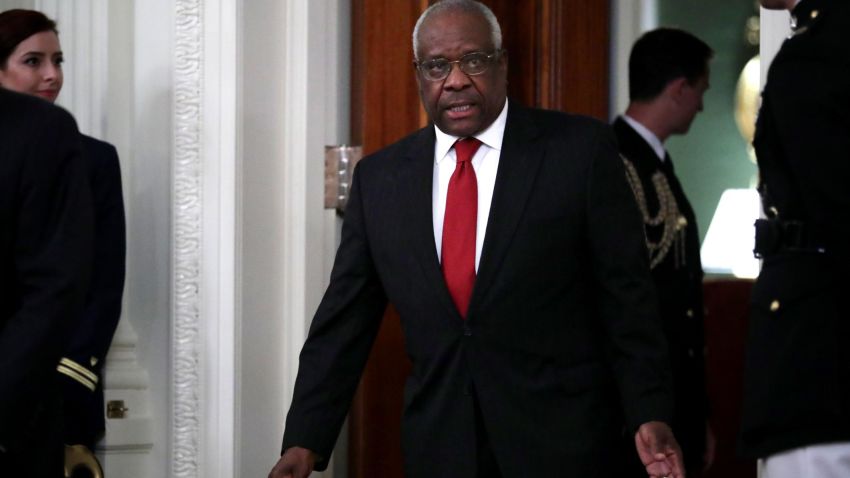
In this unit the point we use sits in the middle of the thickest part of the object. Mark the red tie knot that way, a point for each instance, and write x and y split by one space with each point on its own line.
465 148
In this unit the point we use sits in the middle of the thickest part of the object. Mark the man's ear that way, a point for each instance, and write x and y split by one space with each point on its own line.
502 62
417 75
675 89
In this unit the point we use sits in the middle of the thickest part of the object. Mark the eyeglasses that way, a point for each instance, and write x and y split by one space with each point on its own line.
472 64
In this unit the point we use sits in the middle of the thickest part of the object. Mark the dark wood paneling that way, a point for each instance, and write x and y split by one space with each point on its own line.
727 302
384 108
520 39
573 66
374 447
558 53
384 97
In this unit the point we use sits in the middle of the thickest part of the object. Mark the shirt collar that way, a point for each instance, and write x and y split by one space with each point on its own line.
647 136
492 136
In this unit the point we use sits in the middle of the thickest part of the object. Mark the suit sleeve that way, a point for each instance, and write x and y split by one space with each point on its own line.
82 363
635 342
50 264
341 336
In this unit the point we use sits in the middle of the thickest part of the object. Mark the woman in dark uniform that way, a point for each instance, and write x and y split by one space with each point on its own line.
31 63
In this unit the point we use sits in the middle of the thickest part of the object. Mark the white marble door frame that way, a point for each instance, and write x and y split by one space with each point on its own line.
207 214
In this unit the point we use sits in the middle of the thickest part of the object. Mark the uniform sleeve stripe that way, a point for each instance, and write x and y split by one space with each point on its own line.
79 369
71 373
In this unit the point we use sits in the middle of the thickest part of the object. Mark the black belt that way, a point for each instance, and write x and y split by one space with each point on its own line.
774 236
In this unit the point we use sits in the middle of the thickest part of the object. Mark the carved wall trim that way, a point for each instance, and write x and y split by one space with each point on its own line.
187 202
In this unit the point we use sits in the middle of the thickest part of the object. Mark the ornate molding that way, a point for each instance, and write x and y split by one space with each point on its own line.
186 236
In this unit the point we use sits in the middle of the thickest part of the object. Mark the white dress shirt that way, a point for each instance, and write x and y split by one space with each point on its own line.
485 162
647 136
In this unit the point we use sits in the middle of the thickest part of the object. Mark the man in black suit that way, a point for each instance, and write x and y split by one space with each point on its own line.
796 412
45 256
521 281
668 75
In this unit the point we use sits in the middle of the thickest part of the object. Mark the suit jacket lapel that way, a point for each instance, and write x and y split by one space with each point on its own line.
421 158
518 165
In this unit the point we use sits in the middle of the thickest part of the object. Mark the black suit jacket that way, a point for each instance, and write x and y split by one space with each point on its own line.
562 345
87 344
45 258
677 275
797 375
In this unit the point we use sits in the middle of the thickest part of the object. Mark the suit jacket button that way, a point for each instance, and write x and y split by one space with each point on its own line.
774 306
467 331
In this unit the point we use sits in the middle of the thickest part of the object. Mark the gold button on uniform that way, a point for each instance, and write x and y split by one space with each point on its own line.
690 313
774 306
814 14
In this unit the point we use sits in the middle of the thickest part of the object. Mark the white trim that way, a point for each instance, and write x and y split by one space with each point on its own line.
219 390
774 29
629 19
316 84
296 92
316 108
186 247
205 172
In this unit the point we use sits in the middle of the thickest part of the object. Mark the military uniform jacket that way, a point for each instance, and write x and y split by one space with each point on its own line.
797 376
45 258
677 274
87 344
561 345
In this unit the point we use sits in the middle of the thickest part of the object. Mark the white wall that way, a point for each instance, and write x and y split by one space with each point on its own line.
142 110
295 78
262 383
775 28
229 248
629 19
8 4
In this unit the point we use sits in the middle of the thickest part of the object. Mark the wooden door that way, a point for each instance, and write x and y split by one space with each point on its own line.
558 59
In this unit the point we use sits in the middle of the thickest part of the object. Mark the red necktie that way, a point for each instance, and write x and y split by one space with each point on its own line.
459 226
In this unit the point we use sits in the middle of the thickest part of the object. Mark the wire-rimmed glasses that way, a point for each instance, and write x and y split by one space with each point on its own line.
472 64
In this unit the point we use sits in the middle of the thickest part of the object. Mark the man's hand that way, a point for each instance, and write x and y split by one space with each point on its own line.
658 451
296 462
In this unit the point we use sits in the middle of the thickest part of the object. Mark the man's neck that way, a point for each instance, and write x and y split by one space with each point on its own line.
648 115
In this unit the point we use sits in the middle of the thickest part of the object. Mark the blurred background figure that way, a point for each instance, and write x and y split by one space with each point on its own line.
31 63
668 76
796 411
45 260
